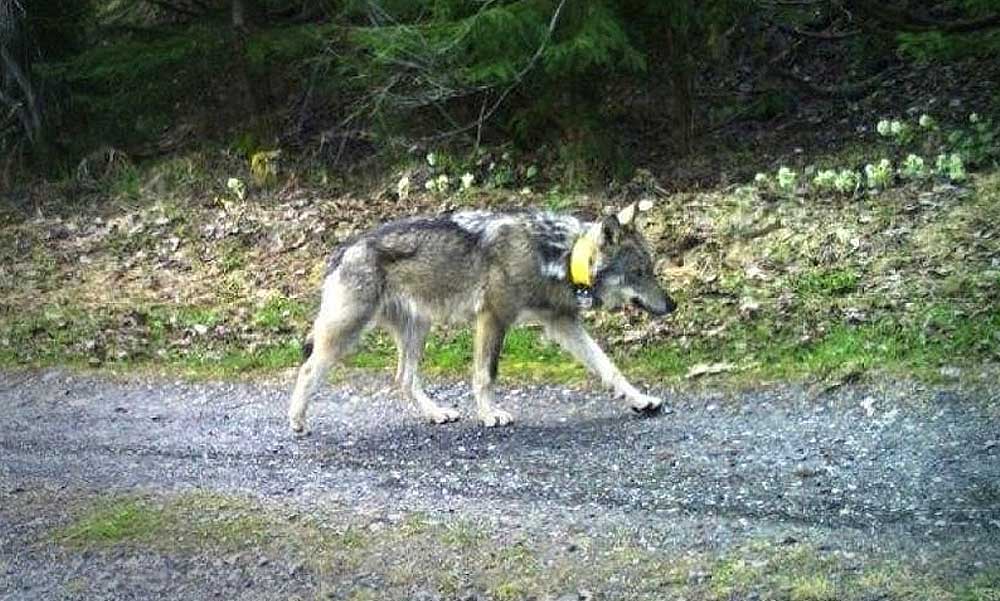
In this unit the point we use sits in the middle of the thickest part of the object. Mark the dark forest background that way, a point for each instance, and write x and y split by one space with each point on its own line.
595 86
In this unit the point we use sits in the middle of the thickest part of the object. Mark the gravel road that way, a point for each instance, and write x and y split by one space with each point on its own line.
894 469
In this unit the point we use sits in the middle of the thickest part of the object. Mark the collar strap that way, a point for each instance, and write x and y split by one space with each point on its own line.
581 260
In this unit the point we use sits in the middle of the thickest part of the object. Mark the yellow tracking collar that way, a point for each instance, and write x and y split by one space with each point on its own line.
581 259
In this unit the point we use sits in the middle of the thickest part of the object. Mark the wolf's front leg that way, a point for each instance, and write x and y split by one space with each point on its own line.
570 335
490 331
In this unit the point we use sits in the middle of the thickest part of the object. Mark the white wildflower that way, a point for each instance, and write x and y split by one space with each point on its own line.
883 128
442 183
926 121
431 159
974 118
467 180
237 187
403 187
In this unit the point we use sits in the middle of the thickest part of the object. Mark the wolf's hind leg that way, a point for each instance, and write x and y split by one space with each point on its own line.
490 332
570 334
410 333
342 318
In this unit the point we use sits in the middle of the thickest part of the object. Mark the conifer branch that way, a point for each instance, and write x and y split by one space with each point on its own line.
485 116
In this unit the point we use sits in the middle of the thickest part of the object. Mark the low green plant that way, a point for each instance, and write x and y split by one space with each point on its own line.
951 166
557 200
972 145
899 132
786 180
264 167
825 180
978 143
913 167
438 184
847 181
502 175
878 176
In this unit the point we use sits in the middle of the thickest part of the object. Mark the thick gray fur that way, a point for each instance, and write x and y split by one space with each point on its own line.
491 268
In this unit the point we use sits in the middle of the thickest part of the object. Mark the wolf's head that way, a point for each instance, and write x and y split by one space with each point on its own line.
623 268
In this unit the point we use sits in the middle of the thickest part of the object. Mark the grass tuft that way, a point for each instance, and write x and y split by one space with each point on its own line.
188 521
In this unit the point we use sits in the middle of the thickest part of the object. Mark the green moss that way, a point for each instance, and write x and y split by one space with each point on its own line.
191 520
828 283
120 521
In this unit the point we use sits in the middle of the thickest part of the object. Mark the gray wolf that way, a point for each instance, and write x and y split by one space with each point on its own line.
491 268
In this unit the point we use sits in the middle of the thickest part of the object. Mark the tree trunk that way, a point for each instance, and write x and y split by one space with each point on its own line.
17 90
241 17
683 83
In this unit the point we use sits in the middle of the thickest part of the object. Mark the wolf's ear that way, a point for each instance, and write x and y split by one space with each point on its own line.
627 215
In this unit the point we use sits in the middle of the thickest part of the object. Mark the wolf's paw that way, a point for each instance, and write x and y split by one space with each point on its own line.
648 405
495 417
297 424
441 415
